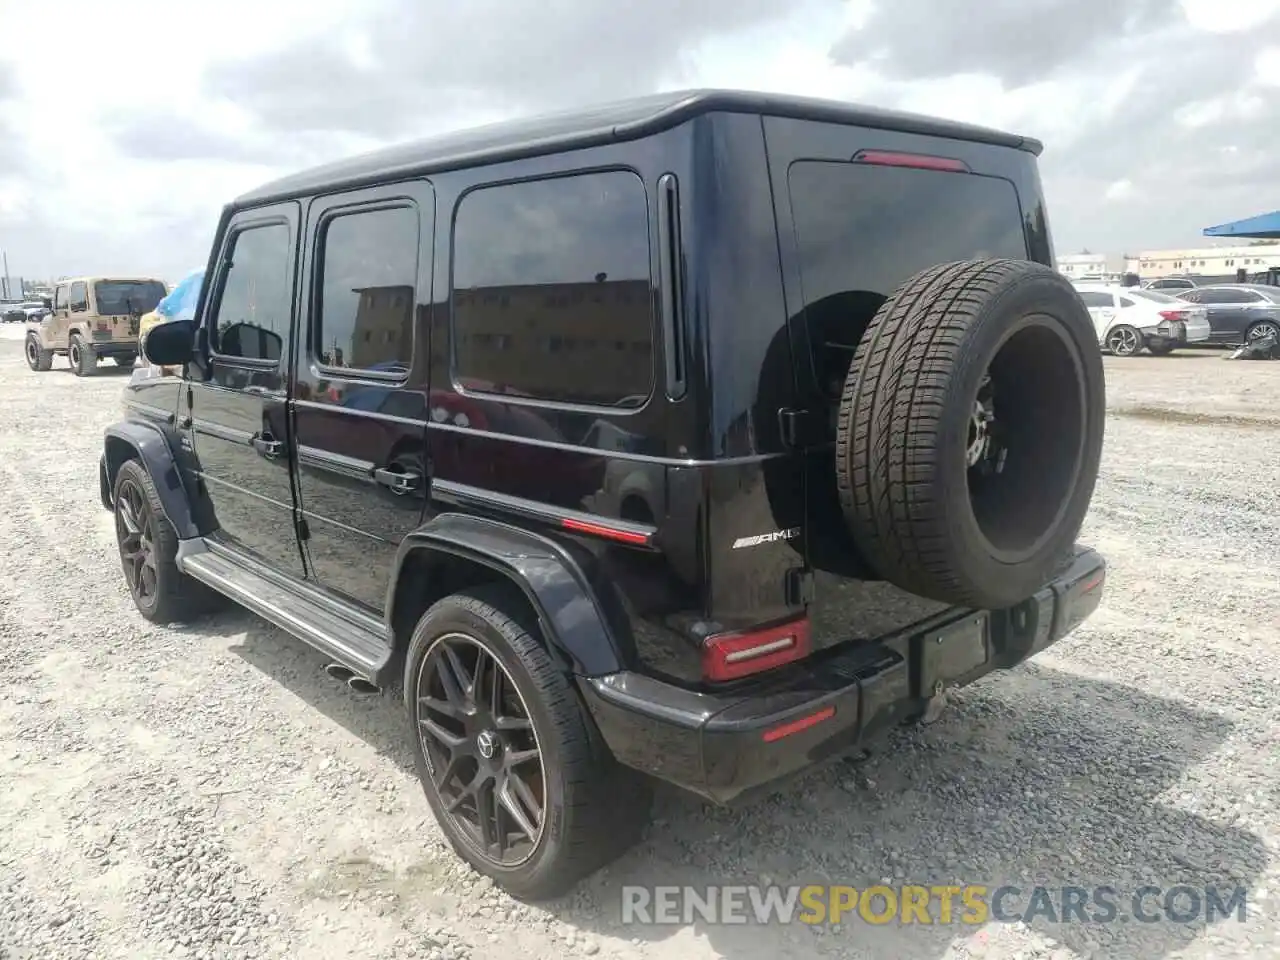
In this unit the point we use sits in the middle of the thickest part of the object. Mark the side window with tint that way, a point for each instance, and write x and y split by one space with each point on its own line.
1126 302
1091 298
552 294
252 319
79 300
60 298
368 282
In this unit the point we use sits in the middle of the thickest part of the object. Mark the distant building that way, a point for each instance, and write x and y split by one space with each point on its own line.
1093 266
1220 261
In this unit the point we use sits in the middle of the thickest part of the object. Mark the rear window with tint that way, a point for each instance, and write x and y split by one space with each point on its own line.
862 230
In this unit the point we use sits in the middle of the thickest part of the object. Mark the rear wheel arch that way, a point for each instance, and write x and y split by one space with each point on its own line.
586 632
428 574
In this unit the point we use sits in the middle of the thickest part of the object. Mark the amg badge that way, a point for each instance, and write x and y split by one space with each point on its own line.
760 538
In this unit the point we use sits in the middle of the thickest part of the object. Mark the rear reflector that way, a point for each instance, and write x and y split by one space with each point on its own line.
795 726
918 160
603 530
729 656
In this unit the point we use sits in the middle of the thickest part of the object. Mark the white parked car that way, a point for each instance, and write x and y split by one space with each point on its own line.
1130 318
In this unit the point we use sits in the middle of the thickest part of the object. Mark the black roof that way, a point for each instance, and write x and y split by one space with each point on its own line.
621 120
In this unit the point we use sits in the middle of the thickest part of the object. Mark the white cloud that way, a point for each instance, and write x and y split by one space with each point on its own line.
124 127
1119 190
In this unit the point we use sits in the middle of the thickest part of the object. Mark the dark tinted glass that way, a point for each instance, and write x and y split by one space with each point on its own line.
120 297
551 290
253 312
1094 299
79 296
862 230
1225 296
369 271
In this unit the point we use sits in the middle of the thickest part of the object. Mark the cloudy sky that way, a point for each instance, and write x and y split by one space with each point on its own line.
125 126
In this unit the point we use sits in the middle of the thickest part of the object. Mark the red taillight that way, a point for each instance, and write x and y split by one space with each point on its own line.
1173 314
918 160
729 656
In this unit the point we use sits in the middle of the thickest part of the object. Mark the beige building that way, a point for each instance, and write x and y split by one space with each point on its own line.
1205 261
1078 266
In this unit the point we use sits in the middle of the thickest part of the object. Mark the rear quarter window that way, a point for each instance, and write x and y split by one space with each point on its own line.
863 229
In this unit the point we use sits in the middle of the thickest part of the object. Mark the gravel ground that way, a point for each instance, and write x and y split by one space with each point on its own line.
206 791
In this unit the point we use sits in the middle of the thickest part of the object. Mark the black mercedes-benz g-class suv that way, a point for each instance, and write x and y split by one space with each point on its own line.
700 437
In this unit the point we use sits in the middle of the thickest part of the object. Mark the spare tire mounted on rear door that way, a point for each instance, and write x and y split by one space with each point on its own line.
970 429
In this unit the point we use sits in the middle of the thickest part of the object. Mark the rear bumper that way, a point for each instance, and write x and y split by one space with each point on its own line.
113 348
728 746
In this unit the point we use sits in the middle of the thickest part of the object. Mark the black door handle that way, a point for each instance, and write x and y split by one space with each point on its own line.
267 447
400 481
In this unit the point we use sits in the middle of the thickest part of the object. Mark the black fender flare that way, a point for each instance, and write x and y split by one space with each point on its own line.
587 627
148 445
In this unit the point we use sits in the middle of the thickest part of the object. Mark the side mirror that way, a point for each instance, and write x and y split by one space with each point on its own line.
169 344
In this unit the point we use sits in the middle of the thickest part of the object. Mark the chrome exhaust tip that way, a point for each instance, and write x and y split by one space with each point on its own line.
355 683
362 686
338 672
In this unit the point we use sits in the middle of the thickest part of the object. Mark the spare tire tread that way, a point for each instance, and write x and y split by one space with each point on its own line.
890 411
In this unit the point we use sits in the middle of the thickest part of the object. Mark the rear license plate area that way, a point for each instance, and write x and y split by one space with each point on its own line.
952 652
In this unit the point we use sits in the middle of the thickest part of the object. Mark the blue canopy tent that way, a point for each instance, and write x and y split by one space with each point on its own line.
1265 226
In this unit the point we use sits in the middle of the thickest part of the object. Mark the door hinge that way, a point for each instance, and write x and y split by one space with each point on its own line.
799 587
799 428
304 532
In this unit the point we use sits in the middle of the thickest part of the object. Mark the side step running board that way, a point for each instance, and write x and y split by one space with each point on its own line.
356 641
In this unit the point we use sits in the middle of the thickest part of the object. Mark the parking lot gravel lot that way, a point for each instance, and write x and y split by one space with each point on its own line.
207 791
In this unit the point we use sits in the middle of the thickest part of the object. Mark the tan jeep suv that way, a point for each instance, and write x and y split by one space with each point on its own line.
93 317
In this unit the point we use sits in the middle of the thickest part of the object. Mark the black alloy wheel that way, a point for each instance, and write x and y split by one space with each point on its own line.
135 533
481 749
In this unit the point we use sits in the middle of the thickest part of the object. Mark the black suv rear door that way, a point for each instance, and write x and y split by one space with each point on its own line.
860 210
361 367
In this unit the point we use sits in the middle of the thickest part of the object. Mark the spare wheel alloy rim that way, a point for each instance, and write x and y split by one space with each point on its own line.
1034 413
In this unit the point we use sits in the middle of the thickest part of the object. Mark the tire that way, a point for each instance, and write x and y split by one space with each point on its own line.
931 502
83 362
1160 351
126 360
174 596
38 358
1263 328
593 809
1124 340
